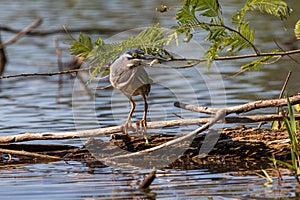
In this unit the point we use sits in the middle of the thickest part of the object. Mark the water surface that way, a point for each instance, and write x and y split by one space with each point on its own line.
40 104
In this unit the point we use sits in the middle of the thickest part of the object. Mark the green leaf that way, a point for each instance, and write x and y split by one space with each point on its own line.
186 16
284 163
208 8
151 40
292 120
277 8
254 65
297 29
241 39
82 47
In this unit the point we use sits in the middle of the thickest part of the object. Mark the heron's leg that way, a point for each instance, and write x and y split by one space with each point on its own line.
128 124
143 122
131 111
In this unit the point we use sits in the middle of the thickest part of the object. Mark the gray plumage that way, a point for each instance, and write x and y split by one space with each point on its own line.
127 74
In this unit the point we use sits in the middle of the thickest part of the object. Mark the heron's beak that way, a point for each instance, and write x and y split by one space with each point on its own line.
152 57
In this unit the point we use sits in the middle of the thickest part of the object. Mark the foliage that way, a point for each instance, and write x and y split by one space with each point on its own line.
294 136
258 63
277 8
151 40
83 46
230 37
207 15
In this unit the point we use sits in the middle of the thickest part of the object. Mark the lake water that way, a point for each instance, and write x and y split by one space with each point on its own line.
41 104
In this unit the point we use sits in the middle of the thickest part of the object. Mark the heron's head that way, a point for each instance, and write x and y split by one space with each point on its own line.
134 54
138 54
132 58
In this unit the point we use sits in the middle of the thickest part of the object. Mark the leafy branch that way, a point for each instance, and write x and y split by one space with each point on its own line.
152 40
226 40
238 35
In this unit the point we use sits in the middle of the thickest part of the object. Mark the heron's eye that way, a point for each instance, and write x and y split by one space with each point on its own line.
134 55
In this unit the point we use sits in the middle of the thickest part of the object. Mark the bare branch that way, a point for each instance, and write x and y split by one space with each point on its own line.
150 125
21 33
45 73
242 108
30 154
219 115
105 30
155 125
278 53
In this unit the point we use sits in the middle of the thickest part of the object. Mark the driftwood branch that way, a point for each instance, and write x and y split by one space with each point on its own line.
150 125
29 154
21 33
219 115
157 125
242 108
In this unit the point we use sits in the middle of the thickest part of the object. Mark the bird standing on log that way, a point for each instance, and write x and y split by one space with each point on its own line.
128 75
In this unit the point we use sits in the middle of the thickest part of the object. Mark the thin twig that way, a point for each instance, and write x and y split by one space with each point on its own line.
105 30
284 50
278 53
68 33
3 58
199 60
59 64
30 154
283 88
44 73
21 33
285 84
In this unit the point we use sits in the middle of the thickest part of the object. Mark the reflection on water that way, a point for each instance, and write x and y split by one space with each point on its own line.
40 104
74 180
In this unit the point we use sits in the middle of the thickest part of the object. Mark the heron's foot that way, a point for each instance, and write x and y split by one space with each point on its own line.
143 125
127 126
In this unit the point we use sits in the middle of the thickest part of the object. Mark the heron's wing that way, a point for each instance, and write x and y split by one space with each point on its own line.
132 79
